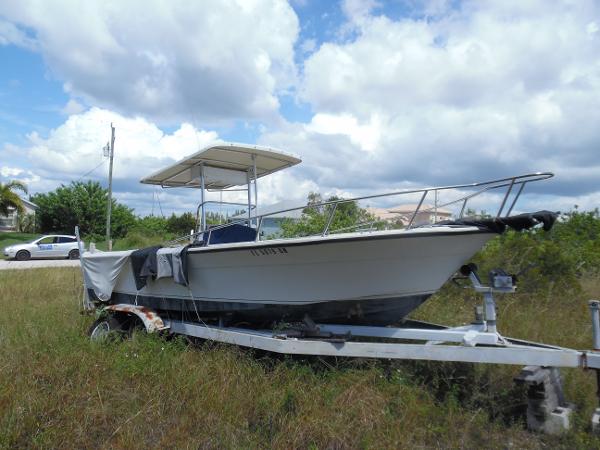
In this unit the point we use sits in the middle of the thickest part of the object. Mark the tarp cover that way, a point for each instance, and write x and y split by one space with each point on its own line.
150 264
101 270
164 263
180 265
499 224
143 263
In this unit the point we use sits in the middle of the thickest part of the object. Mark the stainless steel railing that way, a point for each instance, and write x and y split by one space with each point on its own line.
517 183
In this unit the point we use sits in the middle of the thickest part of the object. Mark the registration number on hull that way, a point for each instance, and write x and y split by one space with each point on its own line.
268 251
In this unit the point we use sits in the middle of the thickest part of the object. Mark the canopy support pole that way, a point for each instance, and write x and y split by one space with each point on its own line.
255 185
249 197
202 194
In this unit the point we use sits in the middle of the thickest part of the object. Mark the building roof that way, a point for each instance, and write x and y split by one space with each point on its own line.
30 204
382 213
410 208
224 164
404 212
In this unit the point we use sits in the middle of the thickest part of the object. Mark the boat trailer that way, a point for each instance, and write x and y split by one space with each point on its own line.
478 342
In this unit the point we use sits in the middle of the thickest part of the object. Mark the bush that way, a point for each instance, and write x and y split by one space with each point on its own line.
561 256
26 223
537 261
314 218
150 224
578 235
181 225
140 239
83 204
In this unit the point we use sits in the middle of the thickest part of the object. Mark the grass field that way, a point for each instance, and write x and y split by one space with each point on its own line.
57 389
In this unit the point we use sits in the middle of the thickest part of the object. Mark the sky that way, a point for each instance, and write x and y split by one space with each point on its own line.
373 96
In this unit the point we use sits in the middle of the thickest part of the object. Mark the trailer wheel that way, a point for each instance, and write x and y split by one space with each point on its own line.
103 329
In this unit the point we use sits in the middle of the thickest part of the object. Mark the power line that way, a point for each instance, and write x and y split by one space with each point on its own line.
89 171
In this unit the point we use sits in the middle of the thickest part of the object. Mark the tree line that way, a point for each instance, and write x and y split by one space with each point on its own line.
83 204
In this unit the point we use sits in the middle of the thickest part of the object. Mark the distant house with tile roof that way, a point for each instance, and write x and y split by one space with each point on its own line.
402 214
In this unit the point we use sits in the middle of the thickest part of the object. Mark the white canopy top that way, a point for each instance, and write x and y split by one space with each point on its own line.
224 165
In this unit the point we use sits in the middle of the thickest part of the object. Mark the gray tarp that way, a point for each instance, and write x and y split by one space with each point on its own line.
101 270
179 259
164 265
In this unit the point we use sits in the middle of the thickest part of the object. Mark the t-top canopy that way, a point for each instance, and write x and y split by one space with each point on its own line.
224 165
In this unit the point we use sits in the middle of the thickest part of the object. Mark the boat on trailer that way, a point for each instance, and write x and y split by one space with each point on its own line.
340 292
233 272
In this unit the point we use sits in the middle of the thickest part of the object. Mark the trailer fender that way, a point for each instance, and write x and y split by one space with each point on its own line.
152 321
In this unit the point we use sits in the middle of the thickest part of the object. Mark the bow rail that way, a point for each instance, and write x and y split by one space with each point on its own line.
514 185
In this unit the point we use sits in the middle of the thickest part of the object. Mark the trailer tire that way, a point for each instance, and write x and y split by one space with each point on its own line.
104 328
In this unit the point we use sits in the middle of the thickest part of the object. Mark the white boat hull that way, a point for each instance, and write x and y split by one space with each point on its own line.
398 268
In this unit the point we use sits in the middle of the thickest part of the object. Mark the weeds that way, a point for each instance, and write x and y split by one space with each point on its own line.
58 389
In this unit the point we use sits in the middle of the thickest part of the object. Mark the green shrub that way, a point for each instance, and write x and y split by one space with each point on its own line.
535 259
140 239
181 225
578 235
26 223
150 224
346 217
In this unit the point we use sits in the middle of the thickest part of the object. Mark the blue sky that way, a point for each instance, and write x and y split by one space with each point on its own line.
373 96
31 97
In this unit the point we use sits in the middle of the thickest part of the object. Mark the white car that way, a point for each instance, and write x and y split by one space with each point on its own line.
48 246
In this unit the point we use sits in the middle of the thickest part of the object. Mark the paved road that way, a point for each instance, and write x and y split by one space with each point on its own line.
35 264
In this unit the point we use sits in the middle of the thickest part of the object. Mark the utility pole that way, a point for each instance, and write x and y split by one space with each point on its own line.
111 154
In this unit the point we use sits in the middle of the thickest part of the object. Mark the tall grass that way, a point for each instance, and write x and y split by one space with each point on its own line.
57 389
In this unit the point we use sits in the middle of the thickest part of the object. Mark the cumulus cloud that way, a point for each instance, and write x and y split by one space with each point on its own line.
450 92
11 34
73 152
215 60
6 171
72 107
358 10
19 174
455 93
73 149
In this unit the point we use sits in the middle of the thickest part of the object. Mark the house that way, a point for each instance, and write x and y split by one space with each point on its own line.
10 222
402 214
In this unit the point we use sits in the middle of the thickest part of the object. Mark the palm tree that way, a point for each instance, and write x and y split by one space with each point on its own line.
9 199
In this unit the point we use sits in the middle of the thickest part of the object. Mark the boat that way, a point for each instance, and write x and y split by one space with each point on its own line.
369 273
